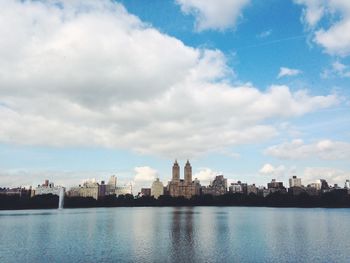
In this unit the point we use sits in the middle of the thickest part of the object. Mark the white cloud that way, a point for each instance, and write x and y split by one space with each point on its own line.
284 72
331 175
334 38
337 69
313 12
205 176
264 34
145 174
214 14
323 149
270 170
89 73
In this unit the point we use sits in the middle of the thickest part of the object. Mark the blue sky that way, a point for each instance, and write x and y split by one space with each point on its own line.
252 89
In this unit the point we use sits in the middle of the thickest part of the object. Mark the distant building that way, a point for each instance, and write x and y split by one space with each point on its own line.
48 188
20 191
252 189
217 187
123 190
238 188
88 189
145 192
324 184
295 182
347 184
157 188
262 191
186 188
102 189
316 185
111 187
275 185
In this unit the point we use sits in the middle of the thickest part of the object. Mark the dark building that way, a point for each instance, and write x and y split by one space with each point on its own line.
16 191
145 191
275 185
102 188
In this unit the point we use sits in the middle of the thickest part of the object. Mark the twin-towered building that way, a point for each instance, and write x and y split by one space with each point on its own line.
183 187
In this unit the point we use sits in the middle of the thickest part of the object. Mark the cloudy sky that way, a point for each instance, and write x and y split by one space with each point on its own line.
252 89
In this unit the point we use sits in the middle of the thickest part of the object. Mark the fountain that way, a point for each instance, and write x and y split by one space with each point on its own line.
61 198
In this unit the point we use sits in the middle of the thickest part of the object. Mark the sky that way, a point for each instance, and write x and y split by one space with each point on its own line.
250 89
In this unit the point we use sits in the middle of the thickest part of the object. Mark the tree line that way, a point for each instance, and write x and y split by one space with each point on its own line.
330 199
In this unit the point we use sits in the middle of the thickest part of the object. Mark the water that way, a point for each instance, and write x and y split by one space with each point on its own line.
199 234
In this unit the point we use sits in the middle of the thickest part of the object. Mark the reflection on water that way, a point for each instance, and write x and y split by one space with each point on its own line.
182 235
179 234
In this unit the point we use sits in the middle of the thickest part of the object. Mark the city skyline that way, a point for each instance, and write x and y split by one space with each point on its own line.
94 88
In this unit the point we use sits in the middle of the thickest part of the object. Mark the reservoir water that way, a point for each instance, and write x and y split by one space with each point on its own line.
171 234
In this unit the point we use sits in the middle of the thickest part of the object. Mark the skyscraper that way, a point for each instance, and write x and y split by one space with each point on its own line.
179 187
294 182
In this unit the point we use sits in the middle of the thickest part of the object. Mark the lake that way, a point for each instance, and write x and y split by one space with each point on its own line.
176 234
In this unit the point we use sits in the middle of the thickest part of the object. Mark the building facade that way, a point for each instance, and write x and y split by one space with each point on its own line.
186 188
48 188
157 188
295 182
88 189
217 187
123 190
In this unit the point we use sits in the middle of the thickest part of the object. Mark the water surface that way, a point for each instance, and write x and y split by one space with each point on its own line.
185 234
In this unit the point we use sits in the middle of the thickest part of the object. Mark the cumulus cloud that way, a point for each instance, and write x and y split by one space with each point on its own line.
214 14
333 38
337 69
313 12
270 170
205 176
145 174
331 175
284 72
88 73
323 149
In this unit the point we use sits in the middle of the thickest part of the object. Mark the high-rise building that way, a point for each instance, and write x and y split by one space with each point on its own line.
347 184
188 172
186 188
157 188
295 182
176 172
111 186
217 187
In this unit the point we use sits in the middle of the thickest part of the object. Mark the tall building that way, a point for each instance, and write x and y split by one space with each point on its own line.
347 184
295 182
111 186
236 188
217 187
157 188
186 188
